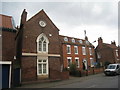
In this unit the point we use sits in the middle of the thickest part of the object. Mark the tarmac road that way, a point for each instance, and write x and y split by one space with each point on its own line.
91 81
98 81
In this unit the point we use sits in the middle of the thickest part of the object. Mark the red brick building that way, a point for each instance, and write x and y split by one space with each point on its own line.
107 53
40 56
41 53
77 51
7 48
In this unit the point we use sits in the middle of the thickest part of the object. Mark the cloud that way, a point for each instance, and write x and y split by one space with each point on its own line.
98 18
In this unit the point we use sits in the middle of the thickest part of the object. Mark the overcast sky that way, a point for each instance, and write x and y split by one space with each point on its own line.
99 19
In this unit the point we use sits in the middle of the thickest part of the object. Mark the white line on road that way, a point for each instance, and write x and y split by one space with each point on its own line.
92 86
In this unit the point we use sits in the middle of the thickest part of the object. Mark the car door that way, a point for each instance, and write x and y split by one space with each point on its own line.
118 69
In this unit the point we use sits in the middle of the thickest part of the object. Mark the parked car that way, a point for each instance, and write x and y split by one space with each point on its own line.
112 69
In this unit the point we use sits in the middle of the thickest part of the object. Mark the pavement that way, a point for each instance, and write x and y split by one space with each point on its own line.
60 82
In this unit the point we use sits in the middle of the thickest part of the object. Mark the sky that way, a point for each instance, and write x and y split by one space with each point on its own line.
98 18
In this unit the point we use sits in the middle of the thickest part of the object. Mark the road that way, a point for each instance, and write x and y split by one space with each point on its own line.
91 81
96 81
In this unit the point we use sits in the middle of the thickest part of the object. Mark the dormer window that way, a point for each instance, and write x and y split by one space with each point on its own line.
80 41
87 42
73 40
65 39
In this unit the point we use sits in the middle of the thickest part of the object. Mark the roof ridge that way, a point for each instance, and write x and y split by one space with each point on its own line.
5 15
70 37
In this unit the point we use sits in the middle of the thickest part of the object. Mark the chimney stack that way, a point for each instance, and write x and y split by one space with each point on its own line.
114 43
100 40
23 17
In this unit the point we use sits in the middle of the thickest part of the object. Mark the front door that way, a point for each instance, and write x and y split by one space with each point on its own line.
5 75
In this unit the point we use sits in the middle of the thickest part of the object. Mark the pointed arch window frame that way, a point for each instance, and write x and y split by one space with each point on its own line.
45 39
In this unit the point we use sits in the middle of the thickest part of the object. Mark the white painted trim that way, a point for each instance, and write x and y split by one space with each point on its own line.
90 50
47 67
54 55
67 48
70 61
40 54
77 49
47 42
10 77
69 57
5 62
83 50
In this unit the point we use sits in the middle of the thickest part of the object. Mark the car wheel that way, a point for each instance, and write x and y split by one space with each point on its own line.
115 74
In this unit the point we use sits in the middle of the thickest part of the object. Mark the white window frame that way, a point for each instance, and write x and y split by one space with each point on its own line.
91 62
90 50
77 58
98 55
68 46
116 51
66 39
83 50
70 61
76 49
47 42
73 40
80 41
47 70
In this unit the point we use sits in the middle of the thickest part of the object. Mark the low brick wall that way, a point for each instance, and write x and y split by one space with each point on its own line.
98 70
54 74
65 75
91 71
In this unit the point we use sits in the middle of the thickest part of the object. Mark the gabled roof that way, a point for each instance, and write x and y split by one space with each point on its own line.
104 45
110 45
6 21
42 12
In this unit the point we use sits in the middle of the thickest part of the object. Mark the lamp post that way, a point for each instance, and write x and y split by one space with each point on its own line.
87 50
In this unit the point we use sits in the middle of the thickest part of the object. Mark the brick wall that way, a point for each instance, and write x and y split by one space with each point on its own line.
80 55
32 30
8 45
29 68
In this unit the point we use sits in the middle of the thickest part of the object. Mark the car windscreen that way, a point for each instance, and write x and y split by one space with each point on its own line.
111 67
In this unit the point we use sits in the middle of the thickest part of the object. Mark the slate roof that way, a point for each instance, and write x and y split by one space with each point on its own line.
77 40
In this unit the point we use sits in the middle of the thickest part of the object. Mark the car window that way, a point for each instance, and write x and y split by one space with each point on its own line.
111 67
117 66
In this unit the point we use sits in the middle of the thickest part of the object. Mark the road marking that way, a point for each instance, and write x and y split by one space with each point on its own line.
91 86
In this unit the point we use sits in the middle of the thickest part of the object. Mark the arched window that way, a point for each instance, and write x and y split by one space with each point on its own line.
42 43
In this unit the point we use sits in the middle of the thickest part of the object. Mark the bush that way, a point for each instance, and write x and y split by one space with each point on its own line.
73 70
106 64
65 69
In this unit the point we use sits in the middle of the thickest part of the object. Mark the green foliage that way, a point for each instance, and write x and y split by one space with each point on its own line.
65 69
73 70
106 63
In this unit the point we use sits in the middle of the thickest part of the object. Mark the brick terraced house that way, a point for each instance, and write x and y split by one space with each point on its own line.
107 53
77 51
7 48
